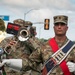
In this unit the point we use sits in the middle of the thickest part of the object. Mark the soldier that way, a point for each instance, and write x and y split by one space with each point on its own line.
57 55
16 47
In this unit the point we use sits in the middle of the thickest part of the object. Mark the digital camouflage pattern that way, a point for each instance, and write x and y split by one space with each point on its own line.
19 22
16 49
61 18
42 54
27 23
22 22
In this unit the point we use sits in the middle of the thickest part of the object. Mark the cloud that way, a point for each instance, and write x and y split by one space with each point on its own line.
41 9
21 3
59 4
46 8
40 14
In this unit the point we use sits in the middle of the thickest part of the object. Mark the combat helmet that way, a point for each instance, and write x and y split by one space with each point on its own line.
20 22
2 25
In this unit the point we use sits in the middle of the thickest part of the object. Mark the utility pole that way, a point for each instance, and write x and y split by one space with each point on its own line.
28 12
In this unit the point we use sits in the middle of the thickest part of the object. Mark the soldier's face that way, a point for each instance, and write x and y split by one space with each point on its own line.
60 28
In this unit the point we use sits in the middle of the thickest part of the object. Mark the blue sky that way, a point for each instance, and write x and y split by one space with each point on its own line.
38 10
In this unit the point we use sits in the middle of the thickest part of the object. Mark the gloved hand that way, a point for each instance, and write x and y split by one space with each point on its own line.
5 61
22 38
71 66
15 64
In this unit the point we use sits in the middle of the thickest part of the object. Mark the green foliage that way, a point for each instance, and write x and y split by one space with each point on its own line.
43 40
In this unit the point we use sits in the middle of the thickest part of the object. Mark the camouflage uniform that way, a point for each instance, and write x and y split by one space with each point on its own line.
18 49
43 52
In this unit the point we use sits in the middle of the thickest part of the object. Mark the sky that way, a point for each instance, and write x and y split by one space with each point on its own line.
37 11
